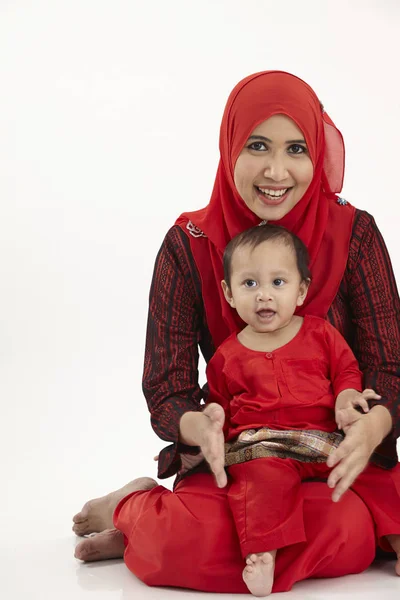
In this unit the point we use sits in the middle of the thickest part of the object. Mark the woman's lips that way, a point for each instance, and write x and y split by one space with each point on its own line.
272 201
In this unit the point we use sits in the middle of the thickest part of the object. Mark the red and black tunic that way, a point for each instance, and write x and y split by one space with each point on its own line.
366 311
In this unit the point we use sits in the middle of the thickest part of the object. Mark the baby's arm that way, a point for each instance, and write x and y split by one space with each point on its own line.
346 380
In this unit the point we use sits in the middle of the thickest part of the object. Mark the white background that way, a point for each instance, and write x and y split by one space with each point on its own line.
109 124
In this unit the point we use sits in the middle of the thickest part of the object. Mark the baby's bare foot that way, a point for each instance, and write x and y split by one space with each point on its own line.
394 541
258 573
97 515
101 546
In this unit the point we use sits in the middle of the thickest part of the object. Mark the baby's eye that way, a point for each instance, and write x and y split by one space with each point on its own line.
297 149
257 146
250 283
278 282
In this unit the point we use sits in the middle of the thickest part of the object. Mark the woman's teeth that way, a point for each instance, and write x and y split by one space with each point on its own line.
274 193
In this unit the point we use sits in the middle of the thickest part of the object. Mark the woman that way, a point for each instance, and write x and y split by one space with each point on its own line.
282 160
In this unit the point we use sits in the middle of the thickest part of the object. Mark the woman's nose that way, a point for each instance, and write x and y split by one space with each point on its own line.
275 168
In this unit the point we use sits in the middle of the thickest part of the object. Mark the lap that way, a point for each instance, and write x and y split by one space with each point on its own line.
187 538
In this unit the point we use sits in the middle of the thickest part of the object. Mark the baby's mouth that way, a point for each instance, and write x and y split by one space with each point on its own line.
266 312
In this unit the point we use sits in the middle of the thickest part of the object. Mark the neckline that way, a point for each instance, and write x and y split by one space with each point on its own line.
293 340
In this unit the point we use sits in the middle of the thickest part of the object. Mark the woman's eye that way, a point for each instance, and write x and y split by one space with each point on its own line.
297 149
278 282
257 146
250 283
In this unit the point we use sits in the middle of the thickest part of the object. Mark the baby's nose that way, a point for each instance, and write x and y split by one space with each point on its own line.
263 294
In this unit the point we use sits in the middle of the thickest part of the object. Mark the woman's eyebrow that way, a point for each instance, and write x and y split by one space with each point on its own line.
265 139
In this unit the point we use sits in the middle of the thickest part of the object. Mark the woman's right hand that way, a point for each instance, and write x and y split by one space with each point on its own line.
205 429
213 442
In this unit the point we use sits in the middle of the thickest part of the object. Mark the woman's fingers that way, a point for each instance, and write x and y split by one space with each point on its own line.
217 462
345 473
344 483
213 447
339 454
221 478
350 458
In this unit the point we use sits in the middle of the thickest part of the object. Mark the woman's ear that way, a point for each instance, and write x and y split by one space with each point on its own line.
227 293
304 285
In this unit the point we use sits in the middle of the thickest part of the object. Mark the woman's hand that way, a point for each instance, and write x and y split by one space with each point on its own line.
213 442
351 457
205 429
189 461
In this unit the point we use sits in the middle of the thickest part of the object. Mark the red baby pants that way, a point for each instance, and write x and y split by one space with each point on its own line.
266 500
187 538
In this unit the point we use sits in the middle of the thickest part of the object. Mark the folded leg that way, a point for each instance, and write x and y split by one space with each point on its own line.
187 538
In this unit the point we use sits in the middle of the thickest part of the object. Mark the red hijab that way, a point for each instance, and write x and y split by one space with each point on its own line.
321 222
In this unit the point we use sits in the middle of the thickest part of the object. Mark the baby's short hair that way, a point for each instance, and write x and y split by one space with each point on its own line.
255 236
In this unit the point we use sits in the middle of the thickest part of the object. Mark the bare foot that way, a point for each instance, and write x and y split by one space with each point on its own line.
101 546
394 541
97 515
258 573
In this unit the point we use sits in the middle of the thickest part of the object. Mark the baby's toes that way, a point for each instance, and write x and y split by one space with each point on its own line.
253 558
265 558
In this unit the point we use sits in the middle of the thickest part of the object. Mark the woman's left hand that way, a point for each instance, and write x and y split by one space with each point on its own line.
352 455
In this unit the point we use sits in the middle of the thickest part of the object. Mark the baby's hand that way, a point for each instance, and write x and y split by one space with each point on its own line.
345 413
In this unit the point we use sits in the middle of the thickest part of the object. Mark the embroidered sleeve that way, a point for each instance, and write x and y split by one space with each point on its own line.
170 377
375 307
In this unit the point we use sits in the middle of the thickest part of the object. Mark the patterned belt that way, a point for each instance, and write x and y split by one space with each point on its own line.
304 445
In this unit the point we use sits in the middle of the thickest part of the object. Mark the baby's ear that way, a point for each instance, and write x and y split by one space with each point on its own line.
227 293
304 285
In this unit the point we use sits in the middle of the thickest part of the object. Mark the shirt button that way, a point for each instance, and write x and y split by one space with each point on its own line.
269 355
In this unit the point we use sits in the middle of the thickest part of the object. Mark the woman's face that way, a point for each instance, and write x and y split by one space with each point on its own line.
274 169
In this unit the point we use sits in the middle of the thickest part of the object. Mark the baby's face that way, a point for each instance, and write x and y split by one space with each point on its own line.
266 286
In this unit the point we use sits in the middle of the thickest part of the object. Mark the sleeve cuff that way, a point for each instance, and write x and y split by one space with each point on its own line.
169 460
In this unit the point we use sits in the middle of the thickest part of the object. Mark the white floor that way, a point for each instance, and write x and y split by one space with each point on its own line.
46 570
60 448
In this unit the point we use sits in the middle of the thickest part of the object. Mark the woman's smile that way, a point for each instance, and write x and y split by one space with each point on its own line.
272 196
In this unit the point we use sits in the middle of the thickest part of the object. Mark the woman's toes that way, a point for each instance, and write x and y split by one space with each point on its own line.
87 549
397 568
82 550
103 546
83 514
80 528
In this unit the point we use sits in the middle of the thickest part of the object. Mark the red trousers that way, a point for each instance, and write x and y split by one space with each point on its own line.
266 500
187 538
